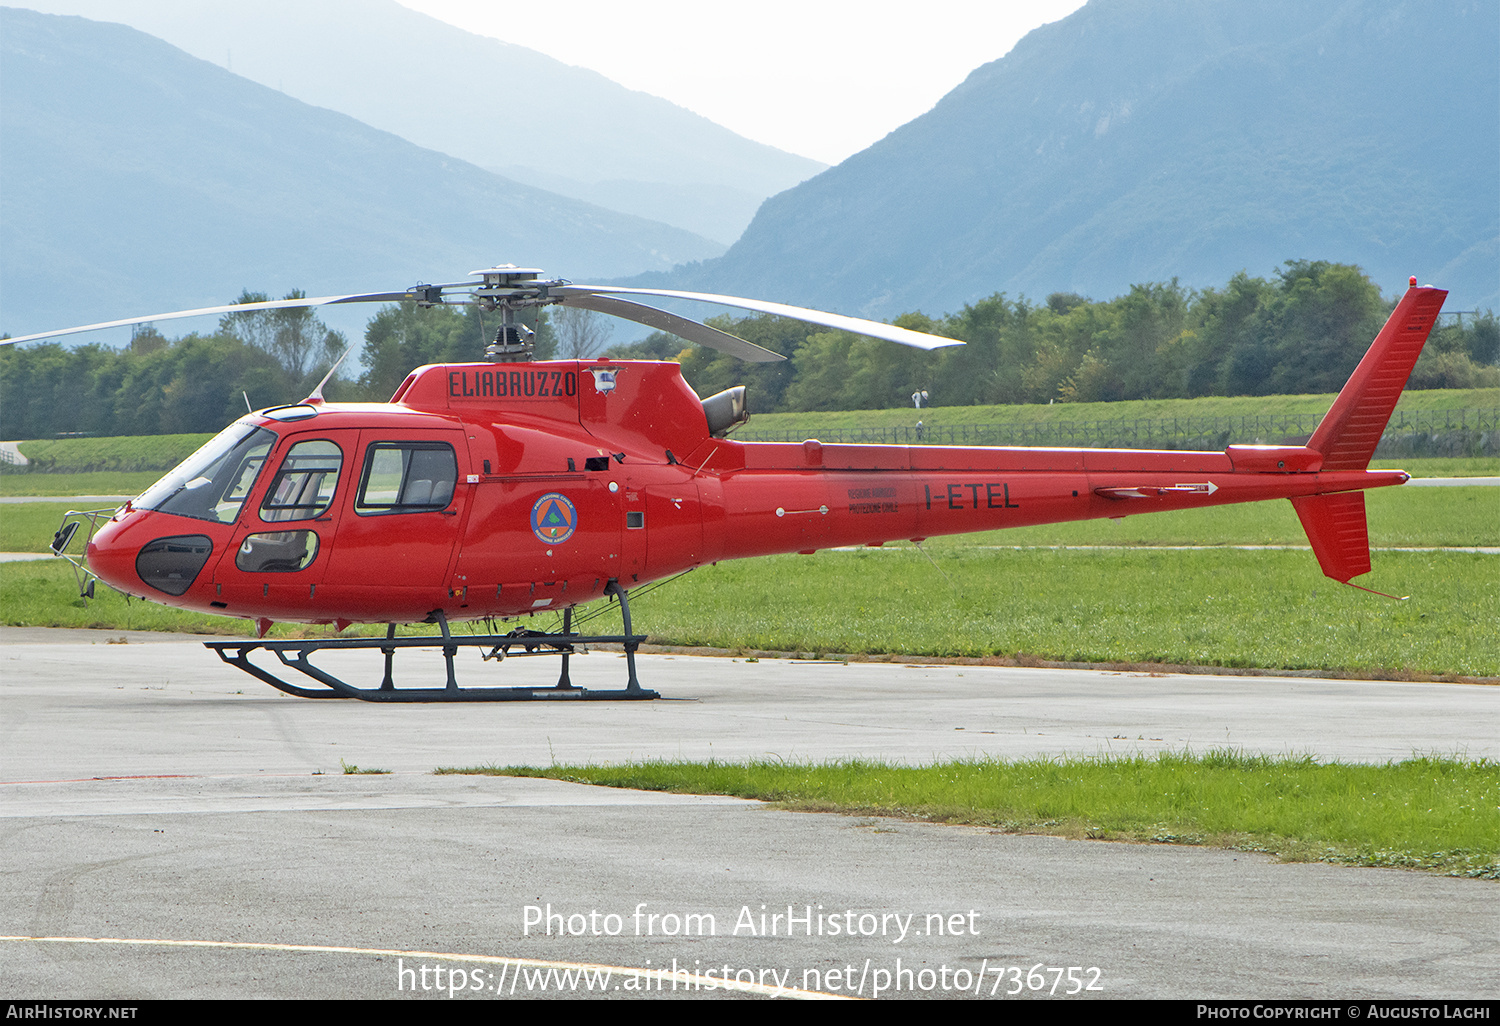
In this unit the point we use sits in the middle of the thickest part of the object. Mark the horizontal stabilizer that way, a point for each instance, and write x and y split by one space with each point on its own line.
1349 433
1335 524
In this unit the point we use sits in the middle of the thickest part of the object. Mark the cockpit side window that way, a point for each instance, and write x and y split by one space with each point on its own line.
406 477
304 485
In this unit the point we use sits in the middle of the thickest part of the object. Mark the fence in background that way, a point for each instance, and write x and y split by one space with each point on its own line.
1415 433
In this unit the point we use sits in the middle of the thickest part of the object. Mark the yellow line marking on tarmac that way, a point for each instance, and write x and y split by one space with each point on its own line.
687 979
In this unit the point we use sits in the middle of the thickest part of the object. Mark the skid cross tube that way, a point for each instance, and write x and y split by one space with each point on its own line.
297 655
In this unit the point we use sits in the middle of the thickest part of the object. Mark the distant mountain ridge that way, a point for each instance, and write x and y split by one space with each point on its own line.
134 177
506 108
1144 140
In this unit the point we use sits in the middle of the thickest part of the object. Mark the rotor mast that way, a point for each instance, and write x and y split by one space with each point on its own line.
508 288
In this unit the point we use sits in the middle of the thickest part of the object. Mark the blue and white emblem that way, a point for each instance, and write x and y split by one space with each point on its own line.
553 518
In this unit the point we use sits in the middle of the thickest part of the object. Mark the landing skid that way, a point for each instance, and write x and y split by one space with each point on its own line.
298 655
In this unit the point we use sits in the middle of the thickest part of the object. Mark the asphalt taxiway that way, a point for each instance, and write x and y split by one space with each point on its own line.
175 828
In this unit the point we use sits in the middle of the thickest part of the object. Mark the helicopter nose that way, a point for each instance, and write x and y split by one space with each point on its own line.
112 558
127 555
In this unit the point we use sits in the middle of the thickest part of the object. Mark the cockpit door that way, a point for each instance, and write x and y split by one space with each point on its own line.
402 515
282 537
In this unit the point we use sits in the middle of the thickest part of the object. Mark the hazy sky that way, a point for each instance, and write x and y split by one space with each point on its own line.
822 78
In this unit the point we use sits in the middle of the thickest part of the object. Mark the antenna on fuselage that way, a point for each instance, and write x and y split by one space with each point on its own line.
317 393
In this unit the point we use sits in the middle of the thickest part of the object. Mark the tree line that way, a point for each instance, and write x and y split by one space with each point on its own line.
1300 331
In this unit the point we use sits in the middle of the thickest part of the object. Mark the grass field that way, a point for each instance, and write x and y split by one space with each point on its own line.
1144 409
161 452
1214 607
98 482
1428 813
1465 466
980 595
1110 594
126 452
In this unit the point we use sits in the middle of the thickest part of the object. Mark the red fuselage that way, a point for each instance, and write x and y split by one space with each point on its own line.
488 490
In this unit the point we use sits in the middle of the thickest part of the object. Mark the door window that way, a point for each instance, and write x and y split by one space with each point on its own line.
406 477
277 552
303 487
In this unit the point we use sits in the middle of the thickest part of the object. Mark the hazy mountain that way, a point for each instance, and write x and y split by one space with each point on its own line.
134 177
1142 140
503 107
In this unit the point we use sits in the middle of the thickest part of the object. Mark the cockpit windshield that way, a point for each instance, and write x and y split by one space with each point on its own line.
213 482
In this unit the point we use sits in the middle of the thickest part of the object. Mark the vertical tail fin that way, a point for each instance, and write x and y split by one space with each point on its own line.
1347 436
1335 524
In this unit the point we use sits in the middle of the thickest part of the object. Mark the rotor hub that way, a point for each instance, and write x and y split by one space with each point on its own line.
507 286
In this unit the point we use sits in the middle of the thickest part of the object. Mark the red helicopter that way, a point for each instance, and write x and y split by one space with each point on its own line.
497 489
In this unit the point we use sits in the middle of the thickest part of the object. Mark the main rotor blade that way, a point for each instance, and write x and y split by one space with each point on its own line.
858 325
275 304
682 327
